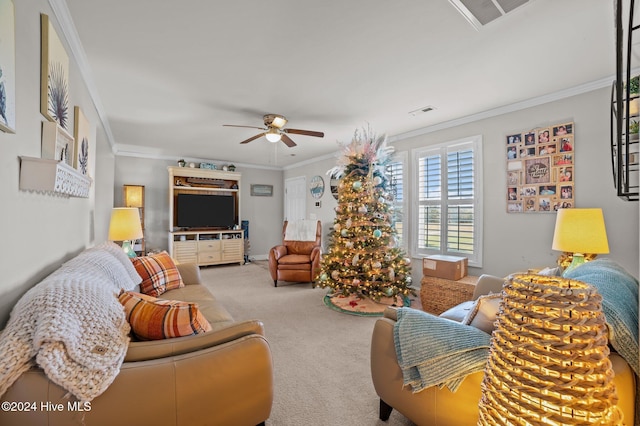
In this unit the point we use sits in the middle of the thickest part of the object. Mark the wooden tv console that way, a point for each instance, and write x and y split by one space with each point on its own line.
204 247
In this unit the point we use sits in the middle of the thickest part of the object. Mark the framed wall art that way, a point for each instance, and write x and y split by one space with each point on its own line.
54 76
82 131
7 67
540 169
262 190
316 187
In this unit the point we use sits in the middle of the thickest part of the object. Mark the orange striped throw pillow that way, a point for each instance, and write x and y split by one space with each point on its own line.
155 319
158 272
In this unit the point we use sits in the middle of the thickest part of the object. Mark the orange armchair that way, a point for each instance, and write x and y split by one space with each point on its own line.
296 261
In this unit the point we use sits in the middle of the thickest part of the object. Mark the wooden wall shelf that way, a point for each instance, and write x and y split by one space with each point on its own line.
52 176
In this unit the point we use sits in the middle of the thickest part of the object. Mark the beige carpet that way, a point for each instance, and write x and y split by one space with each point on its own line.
321 356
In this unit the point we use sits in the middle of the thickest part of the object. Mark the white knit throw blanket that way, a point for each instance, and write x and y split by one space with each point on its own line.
72 326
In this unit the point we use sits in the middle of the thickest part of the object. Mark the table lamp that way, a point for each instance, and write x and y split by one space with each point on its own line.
125 226
580 231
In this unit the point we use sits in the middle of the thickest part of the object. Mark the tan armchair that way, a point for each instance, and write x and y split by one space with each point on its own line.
296 261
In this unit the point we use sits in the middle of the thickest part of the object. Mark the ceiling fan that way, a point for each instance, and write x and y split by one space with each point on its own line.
275 130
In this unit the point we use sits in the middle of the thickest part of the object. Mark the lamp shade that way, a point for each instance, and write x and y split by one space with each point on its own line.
580 231
125 224
133 195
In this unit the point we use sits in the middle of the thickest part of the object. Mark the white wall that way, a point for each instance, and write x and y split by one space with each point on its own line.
515 242
41 231
263 213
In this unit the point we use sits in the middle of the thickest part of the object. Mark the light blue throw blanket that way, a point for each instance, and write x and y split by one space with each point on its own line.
619 292
436 351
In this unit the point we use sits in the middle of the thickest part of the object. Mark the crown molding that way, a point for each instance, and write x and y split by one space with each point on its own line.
506 109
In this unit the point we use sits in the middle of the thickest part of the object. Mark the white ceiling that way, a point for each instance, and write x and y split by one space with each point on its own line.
168 75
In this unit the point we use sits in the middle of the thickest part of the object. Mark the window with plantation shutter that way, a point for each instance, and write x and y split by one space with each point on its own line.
449 214
396 170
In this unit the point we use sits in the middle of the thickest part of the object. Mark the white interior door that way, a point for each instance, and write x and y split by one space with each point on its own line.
295 201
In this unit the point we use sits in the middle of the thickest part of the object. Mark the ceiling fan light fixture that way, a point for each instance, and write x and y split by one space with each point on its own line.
279 122
273 135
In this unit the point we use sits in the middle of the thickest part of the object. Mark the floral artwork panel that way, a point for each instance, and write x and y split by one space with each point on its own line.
7 67
82 133
54 102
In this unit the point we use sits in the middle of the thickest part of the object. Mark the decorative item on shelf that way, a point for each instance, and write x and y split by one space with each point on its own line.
81 131
181 163
634 126
225 168
192 165
549 356
209 166
57 143
125 226
580 231
232 168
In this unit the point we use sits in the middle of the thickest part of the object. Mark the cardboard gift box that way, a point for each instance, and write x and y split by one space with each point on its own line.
448 267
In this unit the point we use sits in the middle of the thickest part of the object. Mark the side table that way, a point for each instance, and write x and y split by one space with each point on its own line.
439 294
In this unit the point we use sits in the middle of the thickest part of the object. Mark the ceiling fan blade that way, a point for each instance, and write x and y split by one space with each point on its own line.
253 138
287 140
248 127
305 132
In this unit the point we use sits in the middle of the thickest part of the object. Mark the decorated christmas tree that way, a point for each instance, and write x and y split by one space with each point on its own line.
363 257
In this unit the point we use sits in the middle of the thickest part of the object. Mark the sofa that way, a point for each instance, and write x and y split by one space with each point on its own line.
439 405
219 377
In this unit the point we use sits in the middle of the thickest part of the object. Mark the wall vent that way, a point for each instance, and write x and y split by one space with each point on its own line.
481 12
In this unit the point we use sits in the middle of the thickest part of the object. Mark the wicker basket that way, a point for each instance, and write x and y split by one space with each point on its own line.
439 294
549 359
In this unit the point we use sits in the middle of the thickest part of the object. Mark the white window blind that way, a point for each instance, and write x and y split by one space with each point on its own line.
449 216
396 170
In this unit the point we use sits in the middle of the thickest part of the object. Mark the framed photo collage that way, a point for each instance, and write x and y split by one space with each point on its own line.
541 169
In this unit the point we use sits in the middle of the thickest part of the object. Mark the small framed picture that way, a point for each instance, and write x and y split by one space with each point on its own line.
563 129
514 139
261 190
530 138
566 143
544 135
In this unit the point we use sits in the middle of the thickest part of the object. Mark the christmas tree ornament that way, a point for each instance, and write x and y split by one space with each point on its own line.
344 233
323 276
348 223
377 265
335 275
362 209
388 291
377 180
377 233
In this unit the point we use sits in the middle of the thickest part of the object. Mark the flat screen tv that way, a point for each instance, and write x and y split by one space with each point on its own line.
199 211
